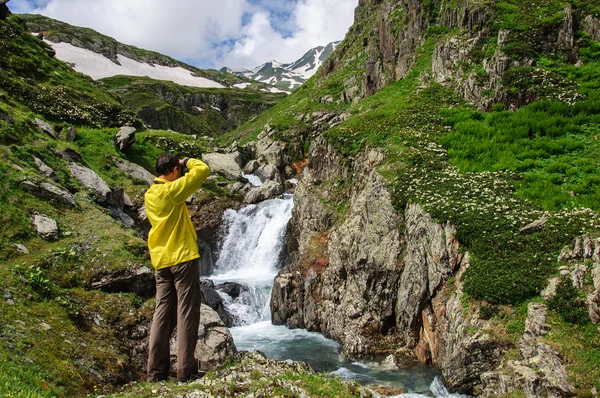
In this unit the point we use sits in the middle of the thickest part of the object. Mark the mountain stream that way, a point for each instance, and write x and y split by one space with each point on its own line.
250 254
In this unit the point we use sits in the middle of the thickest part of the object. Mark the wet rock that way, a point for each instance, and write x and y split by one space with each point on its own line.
534 227
49 192
125 138
213 299
268 190
46 227
269 173
139 281
223 164
251 167
135 171
206 258
45 127
240 188
233 289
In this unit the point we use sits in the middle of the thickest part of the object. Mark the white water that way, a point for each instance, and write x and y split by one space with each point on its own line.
250 255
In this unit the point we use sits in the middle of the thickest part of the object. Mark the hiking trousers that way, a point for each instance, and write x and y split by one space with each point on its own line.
178 301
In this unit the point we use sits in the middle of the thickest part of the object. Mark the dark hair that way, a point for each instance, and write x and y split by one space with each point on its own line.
166 163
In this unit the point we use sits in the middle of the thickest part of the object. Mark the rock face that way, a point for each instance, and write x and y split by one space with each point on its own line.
46 227
223 164
375 277
215 343
4 11
125 138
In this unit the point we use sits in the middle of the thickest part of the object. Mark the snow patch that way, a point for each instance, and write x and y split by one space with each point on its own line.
242 85
98 66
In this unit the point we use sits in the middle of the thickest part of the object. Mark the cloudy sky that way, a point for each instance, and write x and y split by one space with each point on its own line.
208 33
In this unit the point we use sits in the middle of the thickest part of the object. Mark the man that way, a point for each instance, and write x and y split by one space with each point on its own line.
174 253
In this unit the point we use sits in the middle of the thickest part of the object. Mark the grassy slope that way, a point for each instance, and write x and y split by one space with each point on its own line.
487 173
57 334
137 93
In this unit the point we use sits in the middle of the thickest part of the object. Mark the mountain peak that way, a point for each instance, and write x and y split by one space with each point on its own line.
289 77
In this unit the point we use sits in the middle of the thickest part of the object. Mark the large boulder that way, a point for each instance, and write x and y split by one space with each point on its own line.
134 171
89 179
49 192
215 343
268 190
125 138
46 227
270 173
223 164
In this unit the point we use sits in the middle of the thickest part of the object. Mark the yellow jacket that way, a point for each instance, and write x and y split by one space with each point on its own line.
172 239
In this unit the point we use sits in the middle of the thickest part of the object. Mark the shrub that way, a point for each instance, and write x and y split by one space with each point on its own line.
569 302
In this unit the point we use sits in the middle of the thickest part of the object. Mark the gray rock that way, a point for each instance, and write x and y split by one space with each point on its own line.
89 179
139 281
120 215
45 127
125 138
49 192
223 164
135 171
268 190
566 34
127 202
594 307
534 227
251 149
20 248
43 168
240 188
550 290
591 26
215 343
270 173
251 167
46 227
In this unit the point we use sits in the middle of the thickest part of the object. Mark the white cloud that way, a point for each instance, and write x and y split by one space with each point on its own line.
208 33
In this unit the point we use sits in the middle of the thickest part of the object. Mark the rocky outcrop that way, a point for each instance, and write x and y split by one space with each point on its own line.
45 127
539 370
125 138
591 26
4 11
46 227
104 194
49 191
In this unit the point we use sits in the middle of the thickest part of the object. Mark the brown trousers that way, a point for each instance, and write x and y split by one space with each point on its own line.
178 301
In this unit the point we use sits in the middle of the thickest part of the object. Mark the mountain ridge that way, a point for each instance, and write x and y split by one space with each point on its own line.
290 76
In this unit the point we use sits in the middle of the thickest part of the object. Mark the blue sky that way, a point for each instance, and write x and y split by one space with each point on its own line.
208 33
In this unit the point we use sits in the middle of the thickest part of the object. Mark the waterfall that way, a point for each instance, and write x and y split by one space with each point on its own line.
250 255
